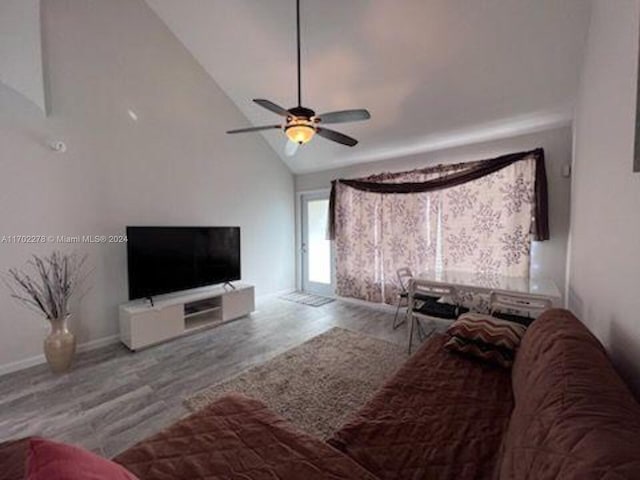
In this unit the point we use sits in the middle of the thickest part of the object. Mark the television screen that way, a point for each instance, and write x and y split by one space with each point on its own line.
169 259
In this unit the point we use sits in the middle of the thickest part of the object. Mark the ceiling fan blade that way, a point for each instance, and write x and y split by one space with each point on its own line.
271 106
345 116
336 137
254 129
291 148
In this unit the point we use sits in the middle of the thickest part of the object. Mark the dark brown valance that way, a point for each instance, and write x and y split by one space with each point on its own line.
462 174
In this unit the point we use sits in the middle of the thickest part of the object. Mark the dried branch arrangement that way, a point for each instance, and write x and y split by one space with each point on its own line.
48 289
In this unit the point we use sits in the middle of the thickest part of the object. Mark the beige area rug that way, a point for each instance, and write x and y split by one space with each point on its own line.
318 384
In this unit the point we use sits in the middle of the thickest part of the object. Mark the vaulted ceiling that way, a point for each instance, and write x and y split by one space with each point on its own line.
433 73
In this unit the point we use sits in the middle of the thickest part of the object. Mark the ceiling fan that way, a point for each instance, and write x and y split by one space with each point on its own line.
302 123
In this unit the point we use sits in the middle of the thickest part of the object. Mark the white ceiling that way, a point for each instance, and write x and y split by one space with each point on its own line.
433 73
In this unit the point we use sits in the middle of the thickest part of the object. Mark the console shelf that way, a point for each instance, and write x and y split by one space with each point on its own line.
174 315
202 312
201 321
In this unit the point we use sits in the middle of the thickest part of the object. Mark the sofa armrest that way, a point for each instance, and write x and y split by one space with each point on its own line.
574 418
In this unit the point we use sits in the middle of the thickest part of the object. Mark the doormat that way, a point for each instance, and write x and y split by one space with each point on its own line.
306 299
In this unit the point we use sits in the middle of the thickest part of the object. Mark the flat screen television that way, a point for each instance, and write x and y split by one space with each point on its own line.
170 259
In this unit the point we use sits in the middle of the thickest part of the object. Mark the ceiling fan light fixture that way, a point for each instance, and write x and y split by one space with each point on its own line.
301 122
300 131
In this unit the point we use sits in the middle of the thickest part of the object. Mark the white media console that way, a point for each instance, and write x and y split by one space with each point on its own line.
174 315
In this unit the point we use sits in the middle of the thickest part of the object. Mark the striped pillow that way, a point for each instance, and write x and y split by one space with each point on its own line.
485 337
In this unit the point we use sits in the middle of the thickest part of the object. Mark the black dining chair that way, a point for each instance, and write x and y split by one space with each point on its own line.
404 279
428 301
511 306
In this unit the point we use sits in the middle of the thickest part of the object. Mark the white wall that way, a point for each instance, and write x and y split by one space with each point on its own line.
548 258
20 49
173 166
604 279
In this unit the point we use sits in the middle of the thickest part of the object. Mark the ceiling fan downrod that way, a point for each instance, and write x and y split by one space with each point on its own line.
302 123
299 66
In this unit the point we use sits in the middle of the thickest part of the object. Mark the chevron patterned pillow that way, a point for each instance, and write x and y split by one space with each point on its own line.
485 337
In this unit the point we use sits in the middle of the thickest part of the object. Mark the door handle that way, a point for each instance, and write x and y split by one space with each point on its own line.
304 247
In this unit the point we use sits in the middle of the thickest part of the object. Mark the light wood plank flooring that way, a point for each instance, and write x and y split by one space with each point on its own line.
114 398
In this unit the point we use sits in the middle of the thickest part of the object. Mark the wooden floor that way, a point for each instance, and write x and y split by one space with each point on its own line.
114 398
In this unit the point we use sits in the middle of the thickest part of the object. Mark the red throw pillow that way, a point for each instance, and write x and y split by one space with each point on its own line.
49 460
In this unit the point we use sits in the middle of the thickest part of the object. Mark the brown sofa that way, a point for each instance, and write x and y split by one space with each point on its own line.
562 412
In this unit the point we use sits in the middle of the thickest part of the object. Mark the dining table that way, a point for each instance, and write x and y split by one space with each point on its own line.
483 283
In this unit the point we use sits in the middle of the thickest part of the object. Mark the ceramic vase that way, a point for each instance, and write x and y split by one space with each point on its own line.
60 345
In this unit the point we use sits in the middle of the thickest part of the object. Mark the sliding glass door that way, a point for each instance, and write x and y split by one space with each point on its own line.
316 253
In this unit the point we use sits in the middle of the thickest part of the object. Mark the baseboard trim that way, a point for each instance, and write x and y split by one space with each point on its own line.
267 296
40 359
21 364
99 343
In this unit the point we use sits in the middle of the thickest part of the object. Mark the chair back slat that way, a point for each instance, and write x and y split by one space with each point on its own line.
432 289
404 278
530 304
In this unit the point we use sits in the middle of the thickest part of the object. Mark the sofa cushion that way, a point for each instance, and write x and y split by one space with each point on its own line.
574 418
237 438
440 416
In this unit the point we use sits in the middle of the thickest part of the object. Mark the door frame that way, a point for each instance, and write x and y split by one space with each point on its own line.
323 193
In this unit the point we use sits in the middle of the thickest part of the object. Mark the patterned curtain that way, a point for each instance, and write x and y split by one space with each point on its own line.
358 226
409 232
486 223
481 226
